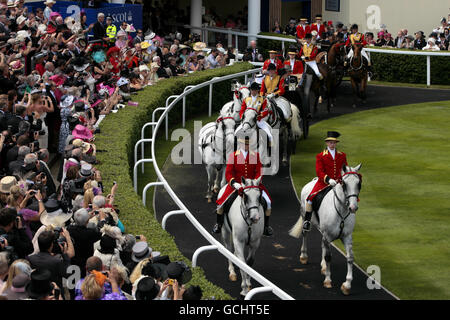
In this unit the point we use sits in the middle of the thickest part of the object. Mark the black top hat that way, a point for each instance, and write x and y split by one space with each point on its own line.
52 205
271 66
318 16
254 86
174 270
40 285
147 289
80 64
333 136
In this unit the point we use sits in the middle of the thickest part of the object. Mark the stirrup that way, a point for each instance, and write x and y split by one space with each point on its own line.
306 226
217 228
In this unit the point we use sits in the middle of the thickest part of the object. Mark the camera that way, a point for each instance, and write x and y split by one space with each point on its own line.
42 132
3 238
170 282
138 237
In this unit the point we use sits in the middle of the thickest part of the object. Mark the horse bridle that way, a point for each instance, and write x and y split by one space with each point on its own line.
252 109
347 198
246 215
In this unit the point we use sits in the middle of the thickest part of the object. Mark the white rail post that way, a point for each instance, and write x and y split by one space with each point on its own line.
428 71
254 291
184 112
210 100
168 215
142 141
148 186
135 171
200 250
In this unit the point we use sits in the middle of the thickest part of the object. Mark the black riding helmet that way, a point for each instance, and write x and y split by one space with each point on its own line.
354 26
255 86
271 66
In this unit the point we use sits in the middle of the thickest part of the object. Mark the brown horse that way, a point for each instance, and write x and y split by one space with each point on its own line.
311 83
335 59
358 74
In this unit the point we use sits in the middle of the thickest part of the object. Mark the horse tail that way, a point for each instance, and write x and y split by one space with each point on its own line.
296 230
296 130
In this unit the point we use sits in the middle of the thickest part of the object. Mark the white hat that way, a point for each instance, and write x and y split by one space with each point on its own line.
150 36
42 28
20 20
432 40
49 2
143 67
22 35
221 50
122 81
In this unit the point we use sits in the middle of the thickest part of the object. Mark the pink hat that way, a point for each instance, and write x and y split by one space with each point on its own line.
58 80
54 14
381 34
81 132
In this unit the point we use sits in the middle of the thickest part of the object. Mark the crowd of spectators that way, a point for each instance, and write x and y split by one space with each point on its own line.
56 85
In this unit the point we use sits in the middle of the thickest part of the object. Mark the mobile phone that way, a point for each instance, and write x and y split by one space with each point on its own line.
57 293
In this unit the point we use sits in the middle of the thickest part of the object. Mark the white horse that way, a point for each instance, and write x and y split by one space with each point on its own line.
243 228
336 221
216 143
285 118
240 92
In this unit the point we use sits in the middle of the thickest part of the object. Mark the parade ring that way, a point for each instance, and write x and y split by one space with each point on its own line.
277 257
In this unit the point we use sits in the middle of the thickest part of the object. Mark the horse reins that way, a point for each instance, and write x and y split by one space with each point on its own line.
346 204
245 217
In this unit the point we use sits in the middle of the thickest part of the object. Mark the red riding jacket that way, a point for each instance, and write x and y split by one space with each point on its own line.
327 168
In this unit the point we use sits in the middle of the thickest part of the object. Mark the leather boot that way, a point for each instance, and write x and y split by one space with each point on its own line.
268 231
218 226
307 220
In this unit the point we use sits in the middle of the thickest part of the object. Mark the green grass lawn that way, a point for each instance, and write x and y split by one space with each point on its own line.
403 223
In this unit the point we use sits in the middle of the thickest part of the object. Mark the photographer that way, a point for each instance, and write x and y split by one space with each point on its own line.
13 231
84 237
57 264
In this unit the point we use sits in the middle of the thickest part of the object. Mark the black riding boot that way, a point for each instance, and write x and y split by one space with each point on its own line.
268 231
218 226
307 220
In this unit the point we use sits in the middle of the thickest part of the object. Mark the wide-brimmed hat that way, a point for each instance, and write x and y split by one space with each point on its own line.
49 2
112 50
58 79
80 64
183 46
56 218
121 33
81 132
146 288
333 136
6 183
143 67
86 170
145 45
40 285
66 101
16 65
141 251
149 35
199 46
85 147
21 19
22 35
122 82
130 28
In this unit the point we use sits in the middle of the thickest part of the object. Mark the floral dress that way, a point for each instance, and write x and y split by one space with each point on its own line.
65 130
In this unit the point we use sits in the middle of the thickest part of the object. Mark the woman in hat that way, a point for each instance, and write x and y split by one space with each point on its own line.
131 59
114 59
48 8
122 39
328 168
20 266
38 106
431 45
108 252
388 41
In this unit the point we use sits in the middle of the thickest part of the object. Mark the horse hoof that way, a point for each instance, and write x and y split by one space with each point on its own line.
233 277
249 288
209 200
303 260
327 284
345 290
320 100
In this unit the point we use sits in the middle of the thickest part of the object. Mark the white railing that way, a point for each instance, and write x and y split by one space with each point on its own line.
232 33
267 286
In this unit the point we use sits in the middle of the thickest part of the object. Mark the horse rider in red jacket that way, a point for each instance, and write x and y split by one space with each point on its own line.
259 104
246 164
328 168
272 59
303 29
357 38
319 27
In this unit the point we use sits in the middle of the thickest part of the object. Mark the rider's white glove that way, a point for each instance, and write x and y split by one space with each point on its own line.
332 182
270 96
236 185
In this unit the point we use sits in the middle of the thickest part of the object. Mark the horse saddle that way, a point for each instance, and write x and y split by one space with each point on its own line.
317 201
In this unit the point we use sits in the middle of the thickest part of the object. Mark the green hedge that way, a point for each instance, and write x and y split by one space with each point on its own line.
120 132
410 69
264 45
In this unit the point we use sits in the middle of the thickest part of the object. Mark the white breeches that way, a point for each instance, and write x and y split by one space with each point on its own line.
266 197
363 53
265 126
313 65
